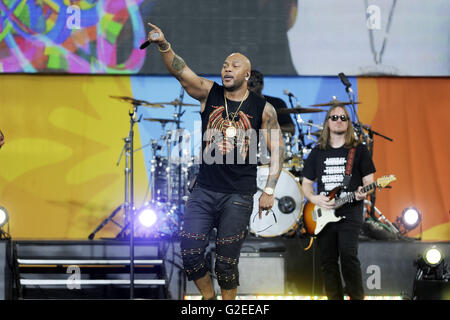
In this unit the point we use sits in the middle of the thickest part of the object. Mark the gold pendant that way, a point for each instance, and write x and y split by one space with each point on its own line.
230 132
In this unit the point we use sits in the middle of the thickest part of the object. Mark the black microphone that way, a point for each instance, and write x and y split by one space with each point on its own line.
345 81
288 93
291 95
154 36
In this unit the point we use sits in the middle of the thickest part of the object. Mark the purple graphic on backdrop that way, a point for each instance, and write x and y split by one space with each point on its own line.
71 36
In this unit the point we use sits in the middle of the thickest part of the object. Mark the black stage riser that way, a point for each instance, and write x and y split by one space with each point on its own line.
272 266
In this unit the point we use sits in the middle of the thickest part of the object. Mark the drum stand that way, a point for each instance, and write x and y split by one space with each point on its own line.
301 140
177 117
128 204
169 166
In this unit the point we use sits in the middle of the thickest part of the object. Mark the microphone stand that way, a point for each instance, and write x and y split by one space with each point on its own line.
128 204
300 133
129 189
367 140
373 194
358 123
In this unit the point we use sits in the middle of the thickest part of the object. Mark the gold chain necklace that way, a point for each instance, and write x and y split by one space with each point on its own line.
230 132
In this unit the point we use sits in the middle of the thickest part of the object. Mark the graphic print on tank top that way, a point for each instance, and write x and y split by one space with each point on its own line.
218 125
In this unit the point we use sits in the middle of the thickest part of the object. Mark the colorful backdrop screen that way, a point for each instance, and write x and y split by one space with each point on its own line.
283 37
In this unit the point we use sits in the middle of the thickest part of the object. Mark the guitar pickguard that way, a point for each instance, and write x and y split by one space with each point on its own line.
323 217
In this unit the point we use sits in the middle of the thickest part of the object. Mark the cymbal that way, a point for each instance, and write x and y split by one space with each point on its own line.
160 120
333 103
177 102
298 110
137 102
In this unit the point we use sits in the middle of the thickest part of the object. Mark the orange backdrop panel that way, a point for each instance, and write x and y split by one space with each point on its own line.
415 112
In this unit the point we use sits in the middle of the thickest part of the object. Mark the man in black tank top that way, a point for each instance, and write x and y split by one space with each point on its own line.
233 120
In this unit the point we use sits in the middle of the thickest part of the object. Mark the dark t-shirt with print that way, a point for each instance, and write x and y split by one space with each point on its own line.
327 167
230 168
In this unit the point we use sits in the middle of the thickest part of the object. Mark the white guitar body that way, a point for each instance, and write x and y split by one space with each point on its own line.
322 217
316 218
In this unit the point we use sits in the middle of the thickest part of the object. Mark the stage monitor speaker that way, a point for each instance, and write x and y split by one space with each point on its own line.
431 290
259 274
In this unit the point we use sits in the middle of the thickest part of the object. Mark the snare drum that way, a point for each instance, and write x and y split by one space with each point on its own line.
287 209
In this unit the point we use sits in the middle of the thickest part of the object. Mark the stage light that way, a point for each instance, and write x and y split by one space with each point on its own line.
432 256
430 265
432 274
4 216
147 217
411 218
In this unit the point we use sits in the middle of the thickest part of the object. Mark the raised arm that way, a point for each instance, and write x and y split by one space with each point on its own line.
197 87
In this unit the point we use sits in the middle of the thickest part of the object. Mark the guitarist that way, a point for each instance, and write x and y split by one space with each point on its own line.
326 165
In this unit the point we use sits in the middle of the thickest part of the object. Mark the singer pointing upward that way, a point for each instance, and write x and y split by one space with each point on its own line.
223 195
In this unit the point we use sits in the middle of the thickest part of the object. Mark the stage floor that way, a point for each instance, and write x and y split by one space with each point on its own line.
269 267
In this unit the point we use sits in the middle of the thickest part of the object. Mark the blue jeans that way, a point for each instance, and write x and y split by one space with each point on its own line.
230 215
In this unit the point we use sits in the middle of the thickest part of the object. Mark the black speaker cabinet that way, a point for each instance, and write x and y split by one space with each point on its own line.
260 273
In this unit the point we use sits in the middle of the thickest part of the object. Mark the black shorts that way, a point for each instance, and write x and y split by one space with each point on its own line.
230 215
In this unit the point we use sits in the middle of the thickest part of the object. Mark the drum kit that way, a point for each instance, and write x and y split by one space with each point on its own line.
171 177
284 218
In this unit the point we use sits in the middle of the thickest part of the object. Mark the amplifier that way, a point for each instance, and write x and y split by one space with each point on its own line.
261 273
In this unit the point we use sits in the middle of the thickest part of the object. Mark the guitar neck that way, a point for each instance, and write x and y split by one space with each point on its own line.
350 197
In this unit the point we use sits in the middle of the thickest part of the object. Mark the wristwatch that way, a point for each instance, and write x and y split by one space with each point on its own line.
268 190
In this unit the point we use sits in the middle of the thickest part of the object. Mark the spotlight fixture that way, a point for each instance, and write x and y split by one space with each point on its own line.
4 216
157 219
409 220
147 217
432 275
432 256
150 214
430 265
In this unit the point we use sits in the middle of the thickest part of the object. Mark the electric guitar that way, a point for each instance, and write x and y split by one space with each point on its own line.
316 218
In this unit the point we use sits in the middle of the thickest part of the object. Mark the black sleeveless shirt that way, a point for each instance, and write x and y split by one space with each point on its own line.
229 163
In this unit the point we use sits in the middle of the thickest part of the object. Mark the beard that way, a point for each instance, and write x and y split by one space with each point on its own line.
237 84
340 132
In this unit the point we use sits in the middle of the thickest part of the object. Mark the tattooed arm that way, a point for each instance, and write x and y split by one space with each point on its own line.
197 87
275 145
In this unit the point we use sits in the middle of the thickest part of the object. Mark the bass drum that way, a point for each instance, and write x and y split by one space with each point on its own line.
286 212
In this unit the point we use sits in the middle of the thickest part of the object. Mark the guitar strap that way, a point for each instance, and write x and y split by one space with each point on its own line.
348 168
